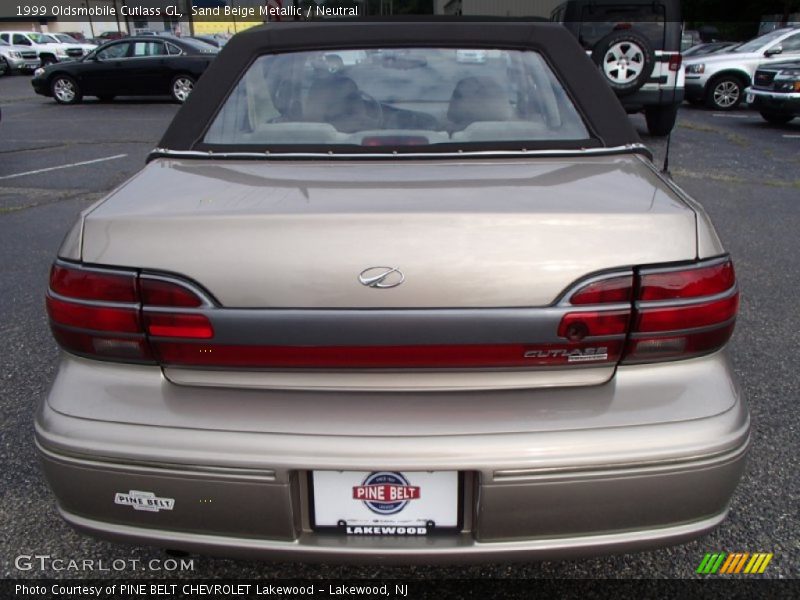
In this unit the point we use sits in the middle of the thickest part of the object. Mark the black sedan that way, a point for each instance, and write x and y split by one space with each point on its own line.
133 66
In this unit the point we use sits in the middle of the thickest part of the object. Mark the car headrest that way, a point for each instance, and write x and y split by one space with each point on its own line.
330 98
478 99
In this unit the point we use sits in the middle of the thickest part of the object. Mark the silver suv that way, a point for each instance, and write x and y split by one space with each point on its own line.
18 58
719 80
48 49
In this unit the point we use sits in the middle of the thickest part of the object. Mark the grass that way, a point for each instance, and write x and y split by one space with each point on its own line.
733 138
735 179
10 209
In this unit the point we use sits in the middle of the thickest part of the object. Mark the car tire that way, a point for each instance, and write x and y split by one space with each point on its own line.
4 68
725 92
181 87
626 60
47 60
776 118
65 90
660 119
106 98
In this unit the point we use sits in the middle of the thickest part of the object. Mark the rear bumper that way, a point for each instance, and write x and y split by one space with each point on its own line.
645 98
552 493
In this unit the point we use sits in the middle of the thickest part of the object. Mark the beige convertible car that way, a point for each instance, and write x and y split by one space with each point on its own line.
370 302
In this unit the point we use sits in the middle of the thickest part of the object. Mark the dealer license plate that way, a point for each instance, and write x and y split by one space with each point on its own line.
385 503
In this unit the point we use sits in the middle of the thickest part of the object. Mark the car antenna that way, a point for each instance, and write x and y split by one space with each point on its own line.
665 168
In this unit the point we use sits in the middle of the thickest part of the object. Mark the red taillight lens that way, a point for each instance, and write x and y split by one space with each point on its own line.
675 62
394 140
156 292
576 326
387 357
179 326
97 318
606 291
690 283
92 285
690 316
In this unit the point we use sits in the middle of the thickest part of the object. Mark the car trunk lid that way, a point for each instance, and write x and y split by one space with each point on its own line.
483 254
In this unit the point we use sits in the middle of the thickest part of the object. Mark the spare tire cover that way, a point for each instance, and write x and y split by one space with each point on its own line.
626 60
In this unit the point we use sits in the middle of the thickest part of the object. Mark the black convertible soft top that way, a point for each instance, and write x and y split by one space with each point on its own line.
604 116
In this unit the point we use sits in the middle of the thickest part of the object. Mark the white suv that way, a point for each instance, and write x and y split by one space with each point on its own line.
48 50
719 80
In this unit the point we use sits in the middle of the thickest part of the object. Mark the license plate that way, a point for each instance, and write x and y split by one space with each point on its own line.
750 98
386 503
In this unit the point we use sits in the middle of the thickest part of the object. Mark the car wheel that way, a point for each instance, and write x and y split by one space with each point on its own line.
626 59
660 119
776 118
4 66
725 93
106 98
65 90
47 60
181 87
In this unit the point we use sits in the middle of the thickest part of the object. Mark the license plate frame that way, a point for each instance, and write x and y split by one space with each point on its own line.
347 530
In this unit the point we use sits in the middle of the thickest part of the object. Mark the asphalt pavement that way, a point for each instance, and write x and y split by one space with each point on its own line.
56 160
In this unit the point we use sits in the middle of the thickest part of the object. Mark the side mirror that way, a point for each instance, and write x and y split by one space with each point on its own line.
774 50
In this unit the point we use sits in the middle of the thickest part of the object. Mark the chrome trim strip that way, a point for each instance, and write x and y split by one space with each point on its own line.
698 461
158 469
159 152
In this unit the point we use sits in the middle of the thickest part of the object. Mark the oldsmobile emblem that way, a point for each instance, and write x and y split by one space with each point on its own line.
381 277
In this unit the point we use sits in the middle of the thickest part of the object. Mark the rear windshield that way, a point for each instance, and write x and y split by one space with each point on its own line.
392 97
598 21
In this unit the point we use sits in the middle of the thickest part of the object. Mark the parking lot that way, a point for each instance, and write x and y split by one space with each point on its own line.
56 160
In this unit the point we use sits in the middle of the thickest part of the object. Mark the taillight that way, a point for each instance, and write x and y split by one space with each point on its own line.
84 284
664 313
688 283
675 62
108 313
179 326
649 314
605 291
682 312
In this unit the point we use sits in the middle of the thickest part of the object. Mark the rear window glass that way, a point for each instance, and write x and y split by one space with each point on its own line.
397 97
598 21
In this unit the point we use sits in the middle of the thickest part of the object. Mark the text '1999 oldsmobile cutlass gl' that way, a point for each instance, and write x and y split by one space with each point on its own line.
370 301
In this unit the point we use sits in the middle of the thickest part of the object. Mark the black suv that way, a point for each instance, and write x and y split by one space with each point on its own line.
637 46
